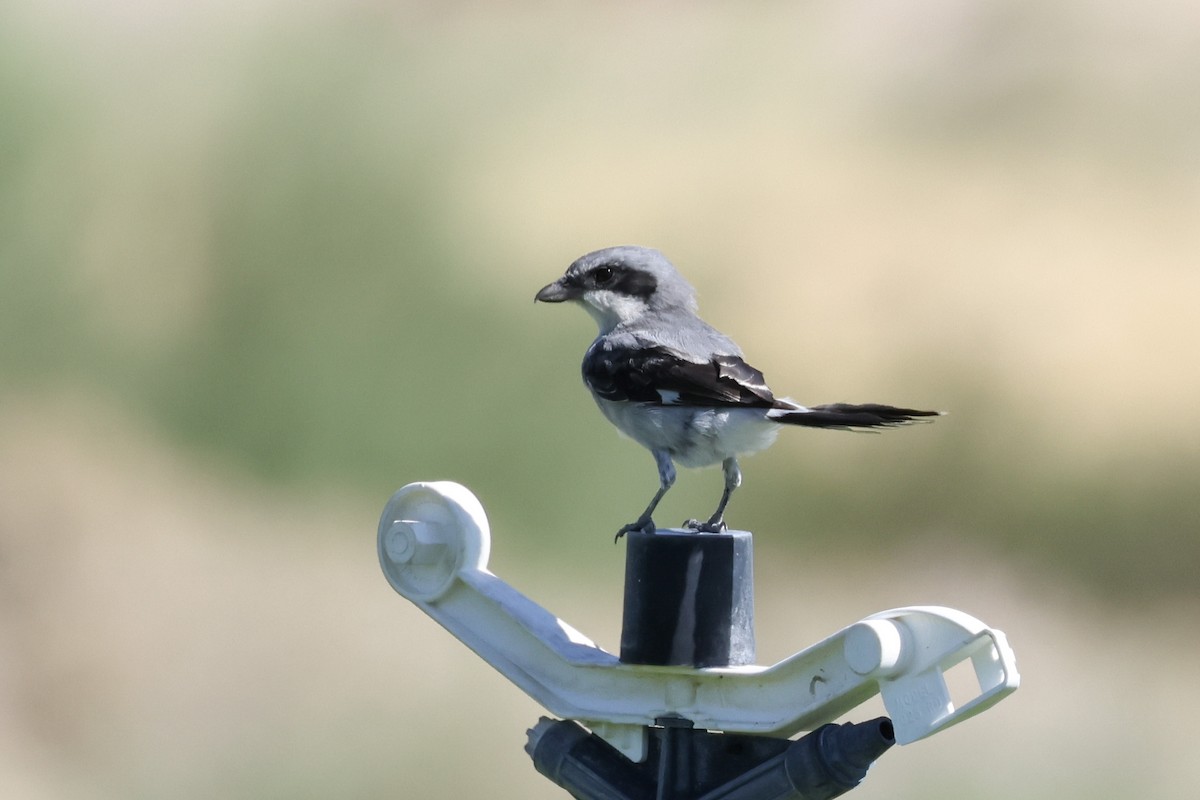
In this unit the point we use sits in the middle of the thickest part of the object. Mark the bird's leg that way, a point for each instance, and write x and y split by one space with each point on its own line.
733 479
666 479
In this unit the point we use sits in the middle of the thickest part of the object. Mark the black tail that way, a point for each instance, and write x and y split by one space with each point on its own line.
848 416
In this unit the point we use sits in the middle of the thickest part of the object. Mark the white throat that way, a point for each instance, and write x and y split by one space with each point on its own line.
611 309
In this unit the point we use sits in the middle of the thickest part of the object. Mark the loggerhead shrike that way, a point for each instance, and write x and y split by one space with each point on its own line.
677 386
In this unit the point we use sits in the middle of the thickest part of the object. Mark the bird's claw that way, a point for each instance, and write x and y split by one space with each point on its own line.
642 525
711 526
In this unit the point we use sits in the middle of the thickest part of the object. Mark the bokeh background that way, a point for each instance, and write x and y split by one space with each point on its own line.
262 263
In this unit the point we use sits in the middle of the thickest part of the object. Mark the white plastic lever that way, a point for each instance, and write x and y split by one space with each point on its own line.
434 543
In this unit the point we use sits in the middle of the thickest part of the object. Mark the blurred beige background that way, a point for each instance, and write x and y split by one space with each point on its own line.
260 265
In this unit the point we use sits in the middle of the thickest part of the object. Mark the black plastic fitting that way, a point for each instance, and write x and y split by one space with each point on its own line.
689 599
824 764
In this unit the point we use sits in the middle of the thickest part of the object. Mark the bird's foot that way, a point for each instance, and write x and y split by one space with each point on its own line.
712 526
645 525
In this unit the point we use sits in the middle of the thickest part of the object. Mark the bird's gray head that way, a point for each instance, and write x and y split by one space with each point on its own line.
620 284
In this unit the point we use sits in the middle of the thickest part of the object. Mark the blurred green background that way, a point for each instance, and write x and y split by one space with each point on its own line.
260 265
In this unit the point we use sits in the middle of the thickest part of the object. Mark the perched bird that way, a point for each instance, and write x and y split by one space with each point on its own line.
678 386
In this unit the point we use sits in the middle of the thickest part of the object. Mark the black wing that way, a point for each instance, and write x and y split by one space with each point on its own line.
656 375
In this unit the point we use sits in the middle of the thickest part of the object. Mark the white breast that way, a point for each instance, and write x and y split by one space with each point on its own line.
695 437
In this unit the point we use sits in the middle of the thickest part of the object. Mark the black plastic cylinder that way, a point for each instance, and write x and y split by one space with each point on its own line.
689 599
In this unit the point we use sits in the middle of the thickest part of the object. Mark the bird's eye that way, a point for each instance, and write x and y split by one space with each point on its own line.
602 275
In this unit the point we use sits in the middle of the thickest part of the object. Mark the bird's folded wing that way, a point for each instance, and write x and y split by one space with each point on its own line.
659 376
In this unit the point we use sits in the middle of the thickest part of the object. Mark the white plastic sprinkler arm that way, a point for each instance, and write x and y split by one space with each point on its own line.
434 543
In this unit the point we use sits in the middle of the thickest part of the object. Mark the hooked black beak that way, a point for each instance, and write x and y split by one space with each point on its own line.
557 292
